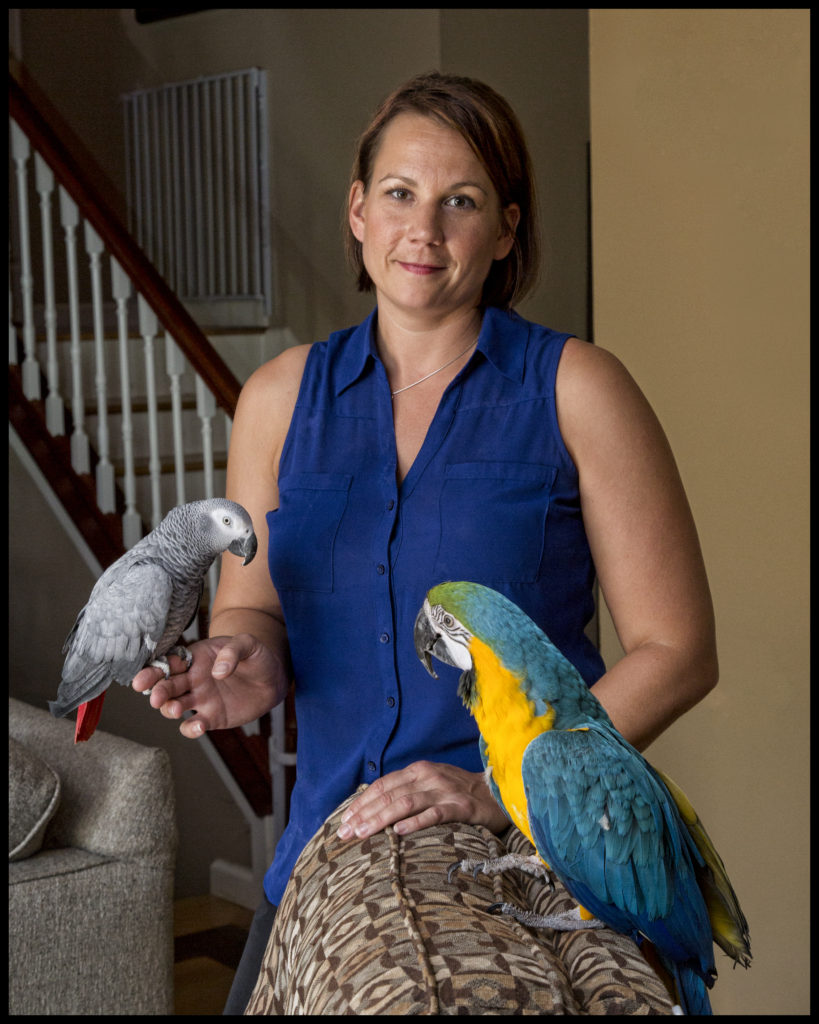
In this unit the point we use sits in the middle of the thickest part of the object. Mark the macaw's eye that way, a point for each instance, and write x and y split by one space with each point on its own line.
449 622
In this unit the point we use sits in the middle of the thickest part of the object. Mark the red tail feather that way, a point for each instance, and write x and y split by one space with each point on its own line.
88 717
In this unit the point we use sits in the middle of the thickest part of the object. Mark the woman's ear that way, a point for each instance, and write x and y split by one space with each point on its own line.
355 209
510 218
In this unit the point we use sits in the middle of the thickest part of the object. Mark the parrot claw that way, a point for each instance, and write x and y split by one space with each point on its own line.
570 921
184 654
163 664
531 865
452 869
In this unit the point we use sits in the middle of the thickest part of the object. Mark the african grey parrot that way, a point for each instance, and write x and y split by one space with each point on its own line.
142 604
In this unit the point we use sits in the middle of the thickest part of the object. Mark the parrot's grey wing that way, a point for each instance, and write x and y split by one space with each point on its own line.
116 633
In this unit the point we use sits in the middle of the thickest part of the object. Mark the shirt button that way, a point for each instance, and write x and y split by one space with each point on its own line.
384 638
390 702
390 505
371 766
380 569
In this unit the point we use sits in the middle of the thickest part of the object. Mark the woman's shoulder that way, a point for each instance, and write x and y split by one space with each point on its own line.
277 381
598 400
269 396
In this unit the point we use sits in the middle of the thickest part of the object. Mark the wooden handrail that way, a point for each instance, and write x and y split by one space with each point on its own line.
79 174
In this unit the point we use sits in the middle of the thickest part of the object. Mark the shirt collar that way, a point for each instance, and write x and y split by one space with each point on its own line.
357 351
502 341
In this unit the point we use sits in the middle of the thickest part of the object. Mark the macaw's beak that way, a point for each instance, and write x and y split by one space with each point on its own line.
245 547
425 636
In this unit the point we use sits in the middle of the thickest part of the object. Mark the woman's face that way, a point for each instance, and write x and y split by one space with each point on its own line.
430 221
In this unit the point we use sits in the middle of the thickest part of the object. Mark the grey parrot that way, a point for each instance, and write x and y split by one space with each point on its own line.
142 604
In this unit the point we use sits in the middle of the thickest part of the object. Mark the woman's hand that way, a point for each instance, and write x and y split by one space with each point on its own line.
420 795
232 680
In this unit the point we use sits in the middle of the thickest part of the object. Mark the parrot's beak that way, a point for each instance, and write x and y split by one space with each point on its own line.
429 641
425 636
245 547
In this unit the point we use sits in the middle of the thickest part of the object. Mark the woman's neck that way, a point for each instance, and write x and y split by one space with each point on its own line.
411 349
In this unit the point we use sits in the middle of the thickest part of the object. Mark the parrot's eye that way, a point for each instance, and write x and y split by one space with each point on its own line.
226 520
449 622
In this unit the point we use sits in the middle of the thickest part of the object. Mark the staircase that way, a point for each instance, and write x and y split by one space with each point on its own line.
119 397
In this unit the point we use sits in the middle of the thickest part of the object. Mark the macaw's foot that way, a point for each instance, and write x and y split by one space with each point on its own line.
531 865
569 921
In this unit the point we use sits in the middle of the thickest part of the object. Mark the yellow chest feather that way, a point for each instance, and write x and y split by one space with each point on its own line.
507 721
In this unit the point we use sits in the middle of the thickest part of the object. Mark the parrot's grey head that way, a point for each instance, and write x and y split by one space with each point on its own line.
210 527
232 530
438 633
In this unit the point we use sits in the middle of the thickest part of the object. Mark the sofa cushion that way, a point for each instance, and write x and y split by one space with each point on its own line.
34 795
373 927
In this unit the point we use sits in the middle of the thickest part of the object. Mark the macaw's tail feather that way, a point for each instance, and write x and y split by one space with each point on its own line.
88 717
692 994
728 924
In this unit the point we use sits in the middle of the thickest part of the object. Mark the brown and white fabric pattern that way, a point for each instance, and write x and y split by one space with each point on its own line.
373 927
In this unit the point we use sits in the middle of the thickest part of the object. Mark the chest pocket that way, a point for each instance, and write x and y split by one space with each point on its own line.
303 530
493 521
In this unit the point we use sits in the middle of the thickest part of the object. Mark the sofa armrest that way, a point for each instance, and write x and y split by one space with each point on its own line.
117 796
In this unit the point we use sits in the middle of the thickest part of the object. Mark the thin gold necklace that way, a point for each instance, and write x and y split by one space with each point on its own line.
421 381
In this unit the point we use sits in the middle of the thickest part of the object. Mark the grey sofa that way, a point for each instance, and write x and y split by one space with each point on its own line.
92 848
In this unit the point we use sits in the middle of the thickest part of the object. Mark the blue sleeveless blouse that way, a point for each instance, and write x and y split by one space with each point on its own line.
492 497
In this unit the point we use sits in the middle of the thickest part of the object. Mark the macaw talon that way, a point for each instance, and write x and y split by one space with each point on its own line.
569 921
530 865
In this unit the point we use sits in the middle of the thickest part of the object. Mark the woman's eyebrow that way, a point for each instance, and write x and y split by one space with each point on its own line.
411 182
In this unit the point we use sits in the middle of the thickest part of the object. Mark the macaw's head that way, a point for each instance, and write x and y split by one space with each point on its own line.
453 615
456 615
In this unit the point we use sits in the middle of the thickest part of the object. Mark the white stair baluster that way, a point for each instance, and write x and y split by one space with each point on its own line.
205 410
131 520
21 151
147 328
175 367
55 411
70 219
105 471
12 329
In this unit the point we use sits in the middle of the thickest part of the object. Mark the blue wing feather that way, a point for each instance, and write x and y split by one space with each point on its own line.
606 824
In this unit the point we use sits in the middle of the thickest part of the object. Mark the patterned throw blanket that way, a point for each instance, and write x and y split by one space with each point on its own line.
373 927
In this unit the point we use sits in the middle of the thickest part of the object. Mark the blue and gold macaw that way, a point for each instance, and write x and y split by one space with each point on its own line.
622 838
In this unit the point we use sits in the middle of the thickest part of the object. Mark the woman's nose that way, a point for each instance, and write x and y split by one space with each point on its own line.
425 224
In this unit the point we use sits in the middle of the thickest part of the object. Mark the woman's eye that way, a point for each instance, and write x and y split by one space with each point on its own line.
461 202
398 193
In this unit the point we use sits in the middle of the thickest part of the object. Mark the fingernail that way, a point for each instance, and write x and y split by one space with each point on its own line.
345 832
197 728
220 668
362 831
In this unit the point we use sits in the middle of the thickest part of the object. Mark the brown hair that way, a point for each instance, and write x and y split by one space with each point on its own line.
489 125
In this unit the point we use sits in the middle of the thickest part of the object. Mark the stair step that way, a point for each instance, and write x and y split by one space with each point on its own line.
167 465
140 405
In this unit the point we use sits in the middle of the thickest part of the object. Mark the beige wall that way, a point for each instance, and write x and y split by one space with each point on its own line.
699 128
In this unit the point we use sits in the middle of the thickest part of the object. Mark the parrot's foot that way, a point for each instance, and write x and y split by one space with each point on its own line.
570 921
531 865
184 654
162 661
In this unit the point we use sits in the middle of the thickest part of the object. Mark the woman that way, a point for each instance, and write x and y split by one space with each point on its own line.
443 438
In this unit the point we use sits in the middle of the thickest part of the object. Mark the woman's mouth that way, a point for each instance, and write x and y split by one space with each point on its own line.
421 268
